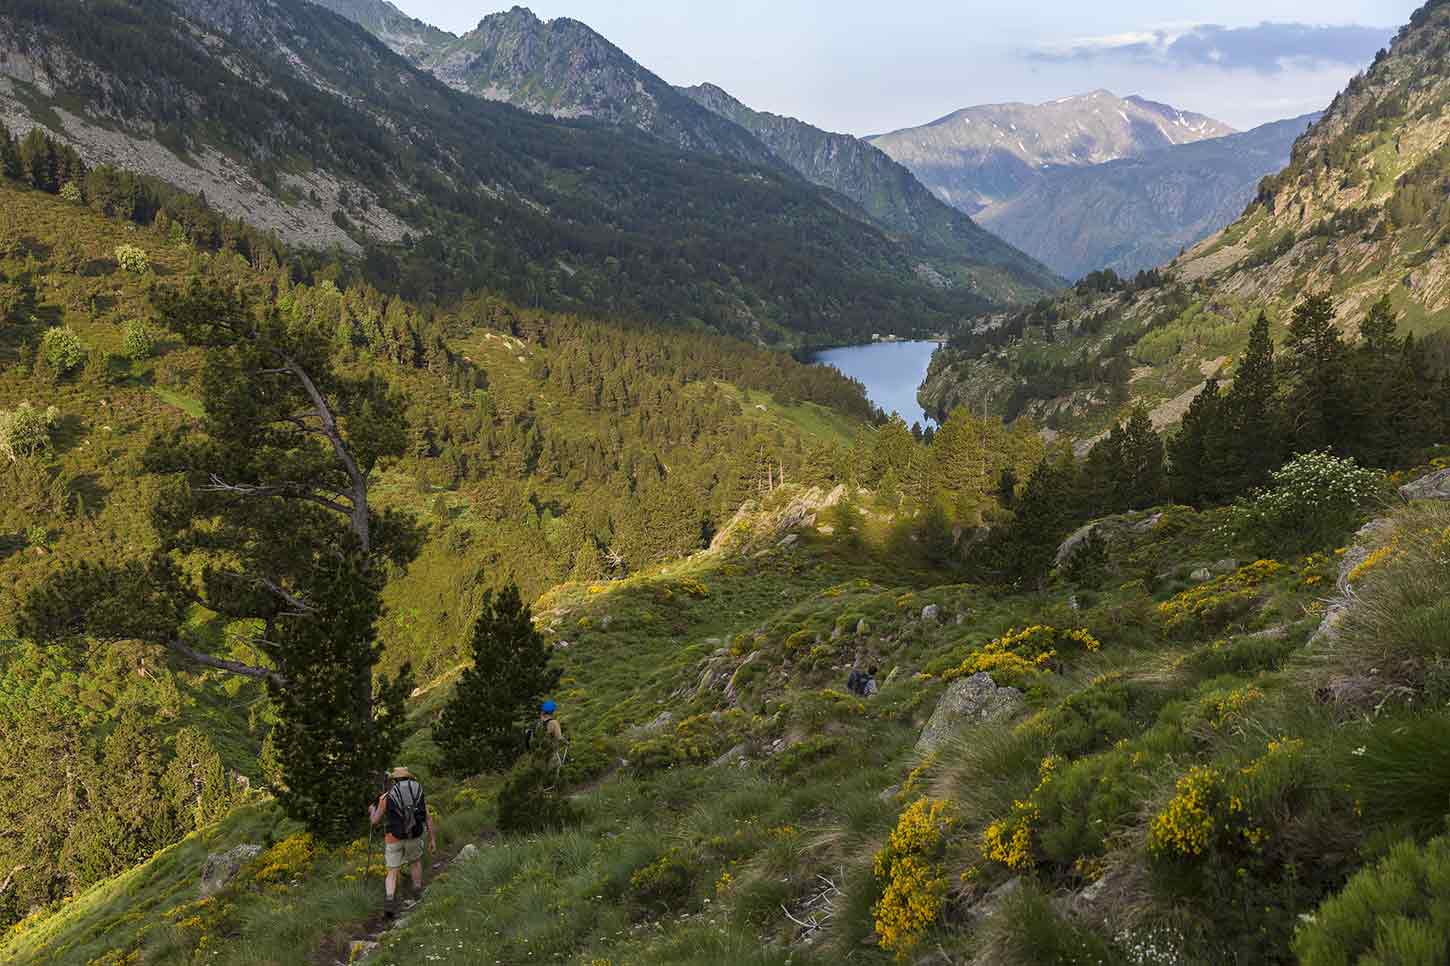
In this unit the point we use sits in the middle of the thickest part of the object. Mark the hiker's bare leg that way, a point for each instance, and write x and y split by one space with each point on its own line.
418 876
392 885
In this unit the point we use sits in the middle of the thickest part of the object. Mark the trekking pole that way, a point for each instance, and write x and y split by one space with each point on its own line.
368 869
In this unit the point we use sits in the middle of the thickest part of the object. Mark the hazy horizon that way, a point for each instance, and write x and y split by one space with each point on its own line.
866 68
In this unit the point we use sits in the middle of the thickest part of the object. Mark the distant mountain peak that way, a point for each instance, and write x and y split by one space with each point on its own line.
980 156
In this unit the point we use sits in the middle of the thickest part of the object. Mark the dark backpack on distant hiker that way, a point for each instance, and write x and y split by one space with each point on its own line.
856 683
407 811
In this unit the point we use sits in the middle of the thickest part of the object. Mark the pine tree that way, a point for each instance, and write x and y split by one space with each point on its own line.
274 487
1027 548
483 725
1249 444
1139 483
1191 478
1317 405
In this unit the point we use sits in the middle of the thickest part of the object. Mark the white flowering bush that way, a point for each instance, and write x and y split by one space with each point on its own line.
132 259
1315 499
25 431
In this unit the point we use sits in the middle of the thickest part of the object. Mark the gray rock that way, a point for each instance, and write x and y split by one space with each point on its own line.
467 853
734 756
789 540
930 612
1436 486
889 794
992 901
1225 566
219 867
1201 576
1107 529
972 700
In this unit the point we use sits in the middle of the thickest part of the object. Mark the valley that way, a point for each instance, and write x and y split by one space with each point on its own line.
754 558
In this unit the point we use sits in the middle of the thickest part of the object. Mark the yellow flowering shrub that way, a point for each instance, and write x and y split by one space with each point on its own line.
1185 827
1018 654
1215 603
914 884
1009 840
1231 706
289 859
691 587
1375 559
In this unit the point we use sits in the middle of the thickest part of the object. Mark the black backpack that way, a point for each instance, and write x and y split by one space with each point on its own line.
406 799
856 683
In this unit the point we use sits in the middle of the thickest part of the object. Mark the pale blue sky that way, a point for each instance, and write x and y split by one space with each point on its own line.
867 66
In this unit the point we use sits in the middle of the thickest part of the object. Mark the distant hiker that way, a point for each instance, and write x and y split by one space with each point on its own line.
546 737
862 683
406 811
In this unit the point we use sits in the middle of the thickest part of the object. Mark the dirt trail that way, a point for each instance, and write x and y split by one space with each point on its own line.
352 942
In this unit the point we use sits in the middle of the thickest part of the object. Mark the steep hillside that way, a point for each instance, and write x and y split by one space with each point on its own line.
889 193
290 116
1359 214
542 447
1141 212
979 156
563 69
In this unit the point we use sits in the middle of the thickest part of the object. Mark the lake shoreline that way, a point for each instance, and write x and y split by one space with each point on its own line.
892 370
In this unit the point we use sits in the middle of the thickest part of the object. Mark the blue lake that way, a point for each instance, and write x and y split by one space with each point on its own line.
891 371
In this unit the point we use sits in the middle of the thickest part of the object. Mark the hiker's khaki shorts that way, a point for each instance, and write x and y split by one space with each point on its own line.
398 854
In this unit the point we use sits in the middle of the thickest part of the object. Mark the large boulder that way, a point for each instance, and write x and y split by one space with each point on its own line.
1107 529
1436 486
220 867
972 700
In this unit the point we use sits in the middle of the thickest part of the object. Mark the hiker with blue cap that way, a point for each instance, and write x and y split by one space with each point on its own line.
546 737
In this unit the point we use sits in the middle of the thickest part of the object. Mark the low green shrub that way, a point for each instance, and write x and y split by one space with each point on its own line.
531 799
1401 772
1397 911
1027 931
25 431
62 349
137 343
665 884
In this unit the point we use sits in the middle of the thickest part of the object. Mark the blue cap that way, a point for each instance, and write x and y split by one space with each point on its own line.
548 707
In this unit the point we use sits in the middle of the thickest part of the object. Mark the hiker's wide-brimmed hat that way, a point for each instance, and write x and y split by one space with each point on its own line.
401 774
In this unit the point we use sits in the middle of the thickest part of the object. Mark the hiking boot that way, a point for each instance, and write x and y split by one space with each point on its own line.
390 907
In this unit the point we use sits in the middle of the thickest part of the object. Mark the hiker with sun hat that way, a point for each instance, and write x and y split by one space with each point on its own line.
406 811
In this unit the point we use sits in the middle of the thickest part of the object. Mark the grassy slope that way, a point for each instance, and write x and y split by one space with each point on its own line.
679 862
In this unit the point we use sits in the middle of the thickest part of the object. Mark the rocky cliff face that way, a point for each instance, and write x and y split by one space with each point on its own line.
1140 212
564 69
406 35
984 155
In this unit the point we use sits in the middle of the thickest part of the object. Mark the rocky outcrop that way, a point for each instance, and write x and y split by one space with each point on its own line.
220 867
1436 486
972 700
1107 529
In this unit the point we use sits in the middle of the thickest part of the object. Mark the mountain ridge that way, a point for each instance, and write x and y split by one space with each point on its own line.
1140 212
979 155
563 68
303 122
